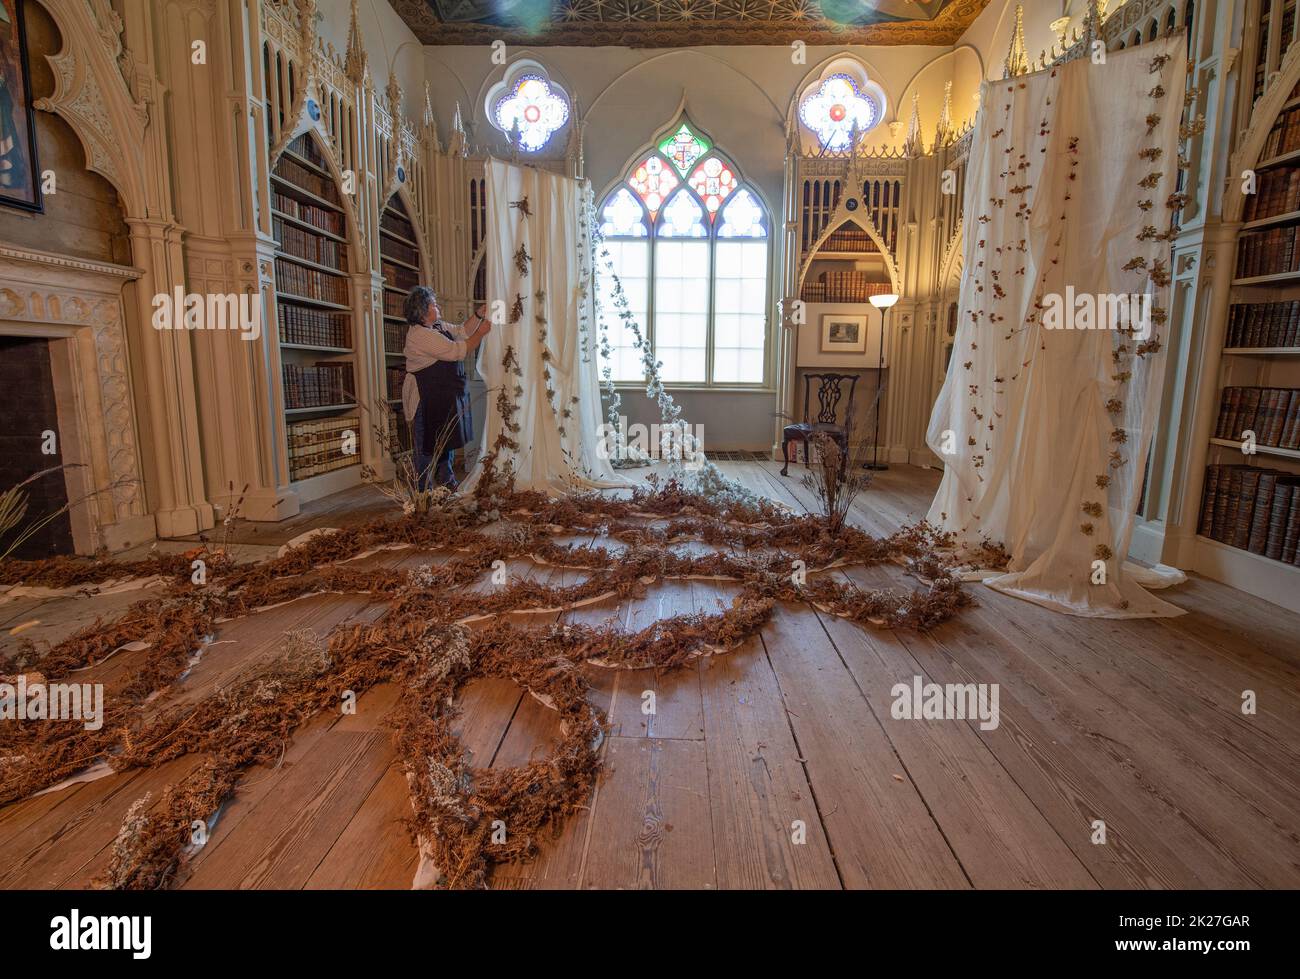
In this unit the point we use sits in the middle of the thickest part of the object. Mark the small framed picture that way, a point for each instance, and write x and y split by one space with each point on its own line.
844 333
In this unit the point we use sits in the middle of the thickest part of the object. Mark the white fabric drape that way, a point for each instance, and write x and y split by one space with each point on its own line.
558 435
1045 432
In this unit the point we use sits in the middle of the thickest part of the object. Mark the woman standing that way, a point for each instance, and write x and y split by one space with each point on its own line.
435 398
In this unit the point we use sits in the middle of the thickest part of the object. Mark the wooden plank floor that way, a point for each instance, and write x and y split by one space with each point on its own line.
780 765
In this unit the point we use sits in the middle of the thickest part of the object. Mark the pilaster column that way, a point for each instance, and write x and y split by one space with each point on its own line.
171 445
898 401
1178 466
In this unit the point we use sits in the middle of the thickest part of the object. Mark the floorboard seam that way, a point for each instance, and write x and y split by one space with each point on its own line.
919 794
803 764
994 755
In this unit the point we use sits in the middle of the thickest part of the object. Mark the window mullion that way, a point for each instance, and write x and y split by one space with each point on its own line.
651 290
712 304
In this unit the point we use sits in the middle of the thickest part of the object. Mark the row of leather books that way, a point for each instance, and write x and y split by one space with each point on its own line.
399 432
392 248
318 385
295 173
323 445
307 283
1255 509
1269 252
849 240
317 217
393 303
394 223
1273 414
400 277
314 327
395 376
395 337
306 147
1264 324
842 287
1284 137
315 248
1278 192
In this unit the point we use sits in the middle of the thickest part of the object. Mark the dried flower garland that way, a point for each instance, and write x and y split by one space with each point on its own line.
422 644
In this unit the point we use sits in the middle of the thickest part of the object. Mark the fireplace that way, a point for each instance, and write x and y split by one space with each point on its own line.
64 371
30 444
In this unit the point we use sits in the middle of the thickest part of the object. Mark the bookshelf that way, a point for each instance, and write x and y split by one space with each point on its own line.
846 268
400 264
1248 525
315 324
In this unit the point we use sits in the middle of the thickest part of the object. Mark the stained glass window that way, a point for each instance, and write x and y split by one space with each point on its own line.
534 108
682 218
714 181
653 180
683 148
622 216
834 108
742 217
697 287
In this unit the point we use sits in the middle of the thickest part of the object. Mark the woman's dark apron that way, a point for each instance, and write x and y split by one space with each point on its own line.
444 399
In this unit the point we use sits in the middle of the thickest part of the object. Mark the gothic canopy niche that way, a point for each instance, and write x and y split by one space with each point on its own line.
528 106
108 110
840 101
676 24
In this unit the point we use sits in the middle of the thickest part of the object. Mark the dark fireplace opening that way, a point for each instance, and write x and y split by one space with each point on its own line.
27 411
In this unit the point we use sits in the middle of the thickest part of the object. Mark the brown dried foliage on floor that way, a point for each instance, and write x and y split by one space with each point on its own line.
421 644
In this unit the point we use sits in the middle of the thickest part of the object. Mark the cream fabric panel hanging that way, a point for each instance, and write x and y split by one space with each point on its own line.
1045 430
557 388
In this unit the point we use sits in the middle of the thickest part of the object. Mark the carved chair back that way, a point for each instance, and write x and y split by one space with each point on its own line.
829 394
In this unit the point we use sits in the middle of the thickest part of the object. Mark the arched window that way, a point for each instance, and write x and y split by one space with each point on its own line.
688 239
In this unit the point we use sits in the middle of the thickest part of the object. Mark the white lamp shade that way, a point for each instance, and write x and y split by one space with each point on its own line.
883 300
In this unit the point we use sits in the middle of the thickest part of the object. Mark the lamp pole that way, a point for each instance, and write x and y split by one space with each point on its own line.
882 302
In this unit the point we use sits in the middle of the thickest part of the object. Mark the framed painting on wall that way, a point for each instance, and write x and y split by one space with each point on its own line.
19 172
844 333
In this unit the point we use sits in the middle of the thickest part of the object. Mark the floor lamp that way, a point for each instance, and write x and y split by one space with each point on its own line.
882 302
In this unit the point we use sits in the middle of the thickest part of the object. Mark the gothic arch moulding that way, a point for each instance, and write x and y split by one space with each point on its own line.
92 95
839 219
654 146
1261 121
950 268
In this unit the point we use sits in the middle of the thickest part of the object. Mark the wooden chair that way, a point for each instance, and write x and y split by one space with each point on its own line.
829 395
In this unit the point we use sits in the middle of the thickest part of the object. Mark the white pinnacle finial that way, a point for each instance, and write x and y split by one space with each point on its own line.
1017 62
914 145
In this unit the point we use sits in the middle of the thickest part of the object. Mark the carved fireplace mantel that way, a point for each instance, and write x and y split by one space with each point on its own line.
77 305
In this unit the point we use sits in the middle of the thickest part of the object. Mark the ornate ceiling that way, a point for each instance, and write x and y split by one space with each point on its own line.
688 23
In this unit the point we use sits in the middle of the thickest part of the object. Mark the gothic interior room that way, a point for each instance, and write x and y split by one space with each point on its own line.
703 445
